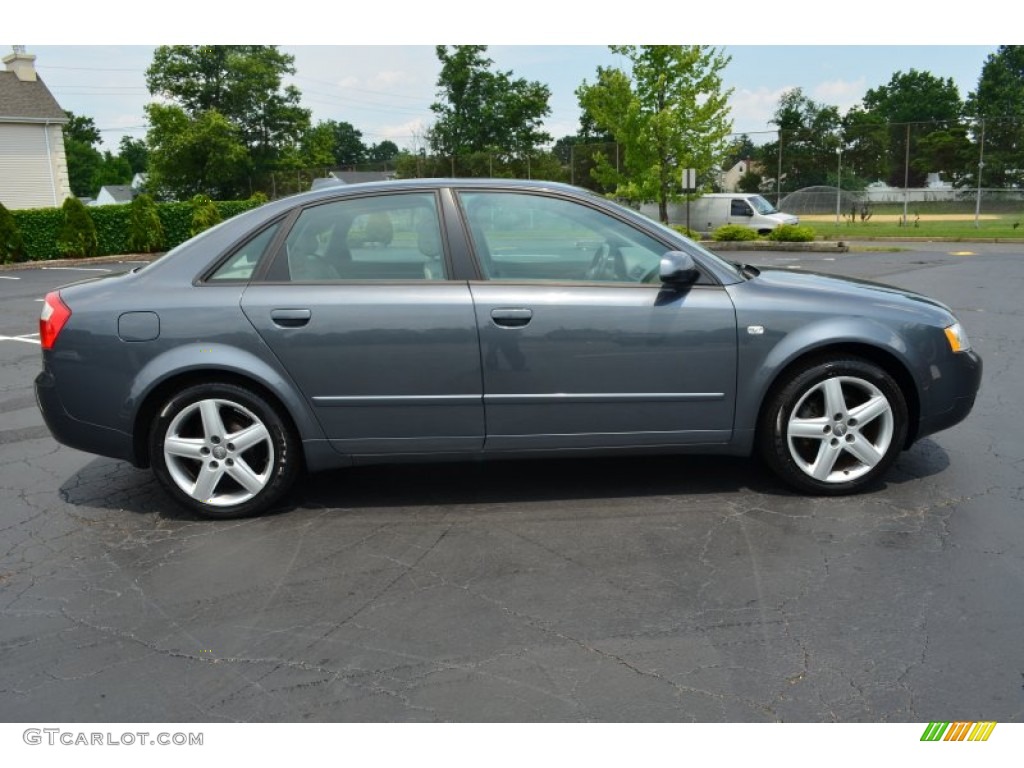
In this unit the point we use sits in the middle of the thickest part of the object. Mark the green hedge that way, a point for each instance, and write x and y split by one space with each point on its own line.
39 226
792 233
733 233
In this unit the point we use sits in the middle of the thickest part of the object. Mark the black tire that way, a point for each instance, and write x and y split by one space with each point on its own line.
223 451
833 426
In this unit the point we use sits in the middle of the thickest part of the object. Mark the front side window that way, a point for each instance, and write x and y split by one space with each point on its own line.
520 237
739 208
388 237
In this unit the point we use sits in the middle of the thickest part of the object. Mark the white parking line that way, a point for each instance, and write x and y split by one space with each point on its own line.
80 269
27 338
7 277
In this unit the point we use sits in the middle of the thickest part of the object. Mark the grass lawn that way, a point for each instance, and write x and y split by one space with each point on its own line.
949 226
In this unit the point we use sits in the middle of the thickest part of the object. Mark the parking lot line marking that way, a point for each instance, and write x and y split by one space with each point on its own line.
80 269
26 338
6 277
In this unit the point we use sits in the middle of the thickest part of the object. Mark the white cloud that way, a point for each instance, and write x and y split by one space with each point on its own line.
840 93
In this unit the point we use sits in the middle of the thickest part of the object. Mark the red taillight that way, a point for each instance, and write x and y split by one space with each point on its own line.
53 319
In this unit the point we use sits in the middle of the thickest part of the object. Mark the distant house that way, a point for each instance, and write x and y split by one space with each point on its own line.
33 167
115 194
730 179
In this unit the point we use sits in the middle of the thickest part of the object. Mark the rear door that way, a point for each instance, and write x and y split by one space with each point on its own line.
359 307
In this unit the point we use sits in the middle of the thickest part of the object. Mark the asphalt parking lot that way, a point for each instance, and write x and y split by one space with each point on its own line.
651 589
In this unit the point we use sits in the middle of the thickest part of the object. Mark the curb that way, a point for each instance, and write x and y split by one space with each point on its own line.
816 246
121 259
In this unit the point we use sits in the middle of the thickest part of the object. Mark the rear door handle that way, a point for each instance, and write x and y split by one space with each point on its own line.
290 318
511 318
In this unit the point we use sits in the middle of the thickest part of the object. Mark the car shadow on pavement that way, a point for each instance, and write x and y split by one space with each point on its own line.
113 485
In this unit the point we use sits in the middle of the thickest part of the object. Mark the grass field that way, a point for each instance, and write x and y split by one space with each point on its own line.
955 226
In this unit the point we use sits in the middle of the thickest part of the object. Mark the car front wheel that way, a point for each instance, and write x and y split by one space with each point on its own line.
223 451
834 426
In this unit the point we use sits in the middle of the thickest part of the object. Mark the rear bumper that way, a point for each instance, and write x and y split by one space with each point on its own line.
73 433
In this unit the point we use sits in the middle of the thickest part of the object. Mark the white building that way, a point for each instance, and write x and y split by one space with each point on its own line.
33 167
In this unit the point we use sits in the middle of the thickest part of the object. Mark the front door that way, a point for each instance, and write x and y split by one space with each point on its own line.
582 346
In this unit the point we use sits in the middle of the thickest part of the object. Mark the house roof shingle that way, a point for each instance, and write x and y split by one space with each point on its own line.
27 100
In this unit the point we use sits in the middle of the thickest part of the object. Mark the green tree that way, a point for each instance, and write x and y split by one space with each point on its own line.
865 144
12 245
204 214
998 102
349 148
913 104
84 160
242 86
135 153
146 232
809 137
76 236
668 114
741 148
383 152
202 155
316 147
113 169
482 110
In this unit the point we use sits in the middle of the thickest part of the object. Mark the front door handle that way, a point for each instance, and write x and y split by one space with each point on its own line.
511 318
290 318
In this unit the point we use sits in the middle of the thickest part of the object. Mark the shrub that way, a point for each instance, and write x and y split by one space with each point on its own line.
733 232
205 214
690 233
77 234
145 232
12 245
792 233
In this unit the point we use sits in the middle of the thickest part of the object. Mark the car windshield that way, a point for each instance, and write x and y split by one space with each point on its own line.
761 205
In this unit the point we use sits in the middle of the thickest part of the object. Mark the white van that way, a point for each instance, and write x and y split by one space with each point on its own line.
710 212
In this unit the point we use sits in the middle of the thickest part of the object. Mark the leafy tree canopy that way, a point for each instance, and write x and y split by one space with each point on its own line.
480 109
668 113
222 90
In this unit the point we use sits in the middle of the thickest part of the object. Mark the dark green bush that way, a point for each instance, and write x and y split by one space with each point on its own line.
145 232
733 233
12 245
40 226
792 233
77 234
690 233
204 214
111 227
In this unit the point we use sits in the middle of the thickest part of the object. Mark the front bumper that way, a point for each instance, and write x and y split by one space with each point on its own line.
958 393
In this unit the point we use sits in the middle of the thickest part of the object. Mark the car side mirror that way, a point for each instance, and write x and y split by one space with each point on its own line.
678 268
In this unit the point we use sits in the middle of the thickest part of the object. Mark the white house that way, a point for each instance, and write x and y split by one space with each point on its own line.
33 167
115 194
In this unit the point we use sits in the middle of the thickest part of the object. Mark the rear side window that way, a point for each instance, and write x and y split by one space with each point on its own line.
389 237
241 265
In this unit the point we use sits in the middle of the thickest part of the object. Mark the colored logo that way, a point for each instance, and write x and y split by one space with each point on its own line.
960 731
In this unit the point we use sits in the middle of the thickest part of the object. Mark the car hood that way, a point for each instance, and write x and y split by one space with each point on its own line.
848 287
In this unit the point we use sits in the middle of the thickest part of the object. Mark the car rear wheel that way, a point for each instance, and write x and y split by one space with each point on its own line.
223 451
834 426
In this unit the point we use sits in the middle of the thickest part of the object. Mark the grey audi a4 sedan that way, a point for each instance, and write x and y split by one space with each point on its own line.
448 319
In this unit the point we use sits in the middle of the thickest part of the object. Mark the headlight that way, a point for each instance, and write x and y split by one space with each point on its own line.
957 338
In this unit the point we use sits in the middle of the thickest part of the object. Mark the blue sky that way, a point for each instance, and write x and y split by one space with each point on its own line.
385 89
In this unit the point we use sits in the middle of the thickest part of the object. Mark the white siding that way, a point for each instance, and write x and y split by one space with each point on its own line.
32 175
